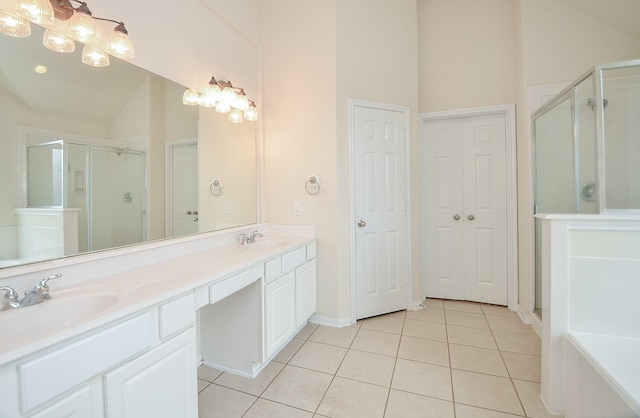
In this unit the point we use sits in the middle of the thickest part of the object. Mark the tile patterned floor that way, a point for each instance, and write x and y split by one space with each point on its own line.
450 360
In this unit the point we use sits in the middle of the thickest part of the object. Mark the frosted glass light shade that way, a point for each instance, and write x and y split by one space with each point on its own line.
120 44
191 97
251 114
36 11
228 96
241 102
58 42
222 107
211 96
235 116
94 57
82 27
14 25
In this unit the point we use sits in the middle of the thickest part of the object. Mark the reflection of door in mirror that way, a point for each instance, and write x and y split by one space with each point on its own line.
182 188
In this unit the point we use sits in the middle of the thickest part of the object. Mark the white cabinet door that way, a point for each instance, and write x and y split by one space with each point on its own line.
305 292
280 312
161 383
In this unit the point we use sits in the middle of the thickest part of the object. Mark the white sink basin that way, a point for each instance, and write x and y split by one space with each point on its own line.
266 243
64 310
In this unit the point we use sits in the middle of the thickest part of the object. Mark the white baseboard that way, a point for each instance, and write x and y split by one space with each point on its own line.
330 322
418 305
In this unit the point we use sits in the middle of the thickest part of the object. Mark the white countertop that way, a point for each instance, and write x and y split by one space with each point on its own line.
136 289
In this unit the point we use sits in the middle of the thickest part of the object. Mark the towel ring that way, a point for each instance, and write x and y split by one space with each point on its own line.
216 188
312 184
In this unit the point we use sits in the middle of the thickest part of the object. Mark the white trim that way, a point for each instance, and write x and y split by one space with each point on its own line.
168 184
330 321
509 113
352 104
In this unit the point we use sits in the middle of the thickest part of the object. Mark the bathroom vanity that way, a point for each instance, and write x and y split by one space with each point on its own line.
128 344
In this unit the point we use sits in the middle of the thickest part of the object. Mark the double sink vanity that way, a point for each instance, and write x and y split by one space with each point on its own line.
128 344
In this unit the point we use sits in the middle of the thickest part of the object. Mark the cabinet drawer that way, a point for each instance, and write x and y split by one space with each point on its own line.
272 269
293 259
176 315
53 373
311 251
234 283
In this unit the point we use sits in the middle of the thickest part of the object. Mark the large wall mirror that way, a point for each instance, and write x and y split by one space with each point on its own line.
97 158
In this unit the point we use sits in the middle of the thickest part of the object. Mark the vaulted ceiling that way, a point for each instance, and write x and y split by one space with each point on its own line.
623 15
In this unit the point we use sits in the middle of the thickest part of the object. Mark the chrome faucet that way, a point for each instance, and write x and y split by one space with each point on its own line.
38 294
248 239
10 299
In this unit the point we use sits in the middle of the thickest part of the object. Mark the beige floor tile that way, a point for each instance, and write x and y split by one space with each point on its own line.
342 337
409 405
425 351
425 329
474 337
384 323
466 319
427 314
376 342
219 402
288 351
251 386
306 331
208 373
398 314
202 384
433 303
367 367
300 388
523 366
267 409
518 343
320 357
422 379
462 306
485 391
466 411
508 324
475 359
350 399
498 310
529 393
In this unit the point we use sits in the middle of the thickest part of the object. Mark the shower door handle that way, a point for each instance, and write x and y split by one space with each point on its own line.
456 217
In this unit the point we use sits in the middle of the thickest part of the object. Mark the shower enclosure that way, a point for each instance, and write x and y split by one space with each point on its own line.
106 184
587 149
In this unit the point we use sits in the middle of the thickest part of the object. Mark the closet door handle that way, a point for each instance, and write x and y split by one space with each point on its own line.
456 217
471 217
362 224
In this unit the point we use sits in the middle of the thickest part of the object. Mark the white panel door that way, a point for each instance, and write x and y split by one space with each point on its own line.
380 211
466 209
184 188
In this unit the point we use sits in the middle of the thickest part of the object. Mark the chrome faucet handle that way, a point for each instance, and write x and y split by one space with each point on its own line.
43 287
255 234
10 295
244 239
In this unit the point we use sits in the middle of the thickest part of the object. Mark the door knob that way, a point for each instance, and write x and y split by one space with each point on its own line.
362 224
456 217
471 217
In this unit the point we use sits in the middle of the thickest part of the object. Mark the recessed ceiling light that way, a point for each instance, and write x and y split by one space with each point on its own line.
40 69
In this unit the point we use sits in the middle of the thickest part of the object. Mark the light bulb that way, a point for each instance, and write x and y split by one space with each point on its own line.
120 44
191 97
81 26
37 11
58 42
235 116
94 57
14 25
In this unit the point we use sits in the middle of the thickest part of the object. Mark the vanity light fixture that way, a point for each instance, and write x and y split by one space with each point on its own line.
226 98
81 26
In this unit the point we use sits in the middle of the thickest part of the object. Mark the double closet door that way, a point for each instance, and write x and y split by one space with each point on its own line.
465 204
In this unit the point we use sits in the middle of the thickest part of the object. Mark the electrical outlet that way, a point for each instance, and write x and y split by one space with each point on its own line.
297 209
230 208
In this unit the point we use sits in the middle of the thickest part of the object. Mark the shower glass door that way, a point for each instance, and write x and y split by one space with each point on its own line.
118 198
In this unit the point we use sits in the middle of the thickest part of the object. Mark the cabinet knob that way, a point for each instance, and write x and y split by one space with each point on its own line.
456 217
362 224
471 217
